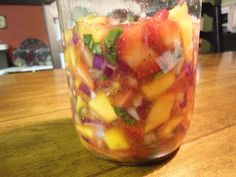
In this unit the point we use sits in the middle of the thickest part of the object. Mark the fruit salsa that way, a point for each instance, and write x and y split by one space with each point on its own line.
132 82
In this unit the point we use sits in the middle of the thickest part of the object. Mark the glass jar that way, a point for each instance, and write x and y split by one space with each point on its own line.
131 67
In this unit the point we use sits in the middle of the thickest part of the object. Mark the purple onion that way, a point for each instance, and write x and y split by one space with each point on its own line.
84 89
98 62
142 108
108 71
188 69
88 120
183 104
75 38
123 66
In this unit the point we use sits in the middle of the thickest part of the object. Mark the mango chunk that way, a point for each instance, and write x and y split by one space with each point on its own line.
79 104
102 106
92 25
186 31
178 12
91 19
158 86
68 36
86 131
159 112
166 130
115 139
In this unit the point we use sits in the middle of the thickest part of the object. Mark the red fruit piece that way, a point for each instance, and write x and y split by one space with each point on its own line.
132 47
162 35
161 15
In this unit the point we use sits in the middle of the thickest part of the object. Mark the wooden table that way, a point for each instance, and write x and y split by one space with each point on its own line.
37 137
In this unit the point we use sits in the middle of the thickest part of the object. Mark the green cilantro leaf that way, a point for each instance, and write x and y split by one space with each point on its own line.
112 36
103 77
121 112
110 56
96 49
88 38
157 75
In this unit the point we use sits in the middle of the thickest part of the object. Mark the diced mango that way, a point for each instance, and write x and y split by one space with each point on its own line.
86 131
79 104
178 12
81 68
77 82
92 25
166 130
186 31
102 106
158 86
68 36
67 56
115 139
91 19
159 112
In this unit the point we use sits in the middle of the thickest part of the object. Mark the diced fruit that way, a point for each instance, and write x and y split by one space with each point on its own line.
86 131
102 106
94 19
81 68
67 58
115 139
158 86
166 130
68 36
97 26
79 104
162 35
186 28
123 98
77 82
178 12
115 85
133 49
159 112
161 15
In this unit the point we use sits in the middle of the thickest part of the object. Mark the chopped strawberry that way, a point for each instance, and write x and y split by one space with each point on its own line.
162 35
161 15
132 47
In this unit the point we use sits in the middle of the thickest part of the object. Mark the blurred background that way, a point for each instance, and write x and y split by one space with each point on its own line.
30 37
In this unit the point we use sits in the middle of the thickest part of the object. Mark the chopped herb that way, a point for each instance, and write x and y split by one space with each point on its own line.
91 45
103 77
110 56
121 112
88 38
112 36
96 49
156 75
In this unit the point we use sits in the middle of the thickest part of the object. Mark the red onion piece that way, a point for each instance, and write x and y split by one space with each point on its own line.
75 38
83 88
143 108
108 72
123 66
188 69
183 104
98 62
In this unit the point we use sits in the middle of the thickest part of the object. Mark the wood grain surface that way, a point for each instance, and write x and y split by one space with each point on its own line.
37 138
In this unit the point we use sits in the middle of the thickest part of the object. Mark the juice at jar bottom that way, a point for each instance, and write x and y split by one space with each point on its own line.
132 82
